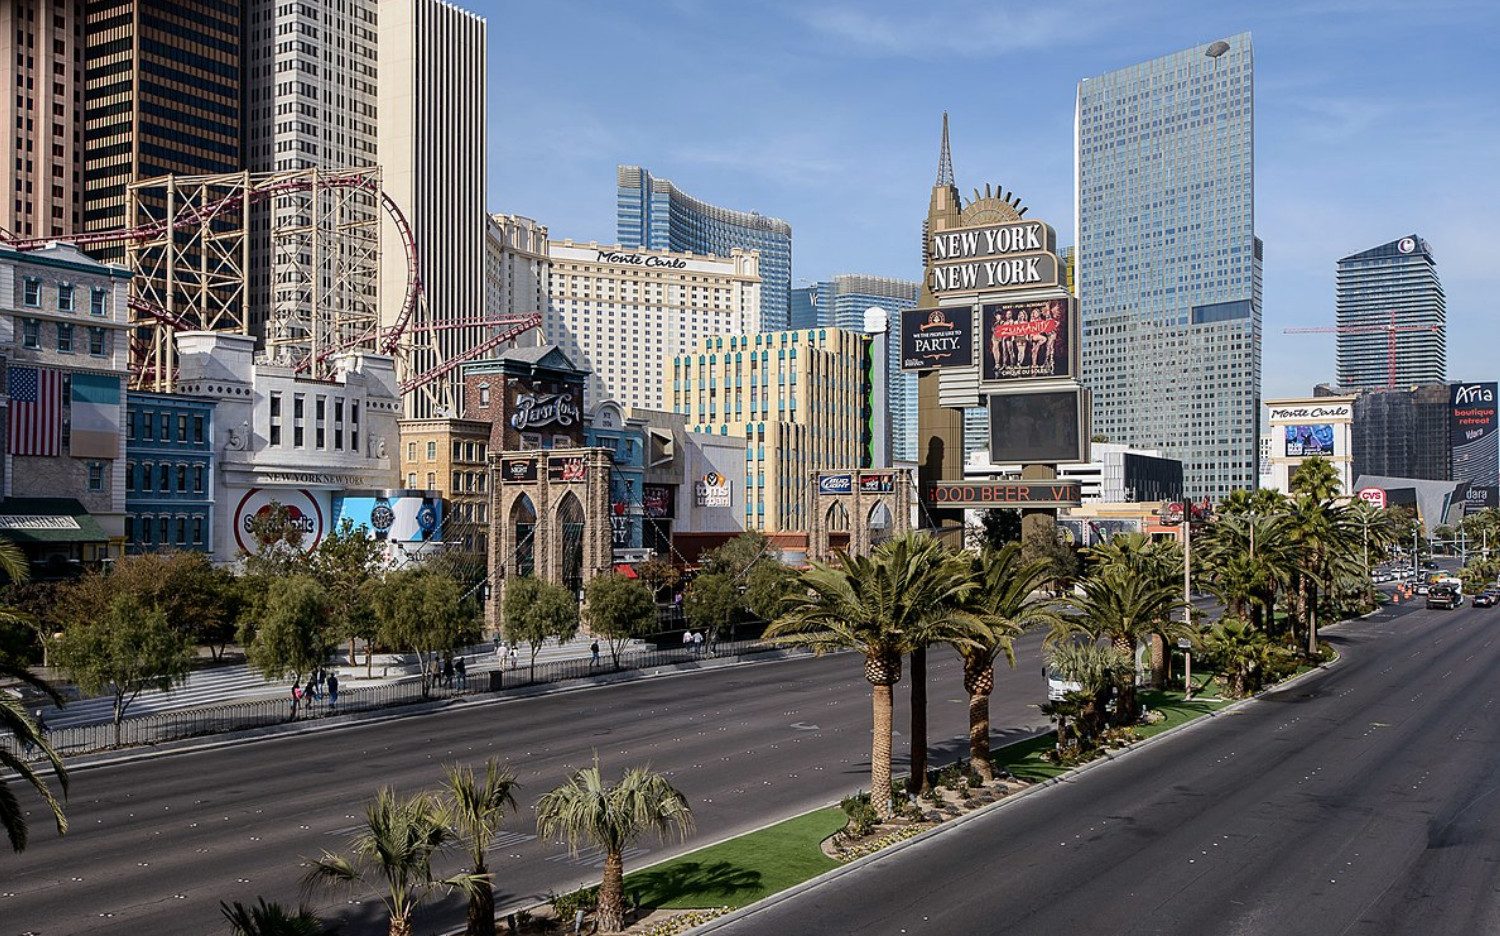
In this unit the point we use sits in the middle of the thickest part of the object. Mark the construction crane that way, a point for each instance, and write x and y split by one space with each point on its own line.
1391 330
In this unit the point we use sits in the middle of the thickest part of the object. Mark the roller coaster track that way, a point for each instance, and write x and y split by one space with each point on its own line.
197 216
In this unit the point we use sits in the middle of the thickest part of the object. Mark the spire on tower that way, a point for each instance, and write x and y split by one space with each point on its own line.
945 160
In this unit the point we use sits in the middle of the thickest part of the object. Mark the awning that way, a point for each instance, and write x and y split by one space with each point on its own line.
48 520
626 571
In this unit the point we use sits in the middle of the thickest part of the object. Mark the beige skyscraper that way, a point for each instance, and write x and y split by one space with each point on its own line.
431 147
799 399
41 107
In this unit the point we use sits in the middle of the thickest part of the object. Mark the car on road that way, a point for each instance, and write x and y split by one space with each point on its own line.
1422 588
1486 599
1445 597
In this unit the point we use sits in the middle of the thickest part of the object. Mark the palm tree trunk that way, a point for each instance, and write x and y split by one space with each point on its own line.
979 736
920 783
880 750
979 682
1312 623
481 920
611 913
400 926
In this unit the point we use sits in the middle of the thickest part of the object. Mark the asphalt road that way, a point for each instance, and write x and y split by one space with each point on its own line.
156 844
1360 800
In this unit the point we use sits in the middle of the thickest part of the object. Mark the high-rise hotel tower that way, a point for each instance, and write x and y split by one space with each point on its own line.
654 214
1169 267
1393 286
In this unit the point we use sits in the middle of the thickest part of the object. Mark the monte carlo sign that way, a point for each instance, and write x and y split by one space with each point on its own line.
1016 255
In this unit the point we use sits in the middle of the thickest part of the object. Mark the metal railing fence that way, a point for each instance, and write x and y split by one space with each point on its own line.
482 679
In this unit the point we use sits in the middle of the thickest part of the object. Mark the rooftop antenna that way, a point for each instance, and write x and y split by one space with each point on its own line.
945 159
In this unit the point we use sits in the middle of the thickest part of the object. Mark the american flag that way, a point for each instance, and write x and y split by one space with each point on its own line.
35 411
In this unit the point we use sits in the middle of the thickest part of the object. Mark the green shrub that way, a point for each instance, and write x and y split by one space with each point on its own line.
566 905
862 816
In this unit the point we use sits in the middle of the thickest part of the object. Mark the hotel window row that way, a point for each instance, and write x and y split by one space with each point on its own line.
321 424
31 297
149 477
157 427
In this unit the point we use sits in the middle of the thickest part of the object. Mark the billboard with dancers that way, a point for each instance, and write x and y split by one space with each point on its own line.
1028 340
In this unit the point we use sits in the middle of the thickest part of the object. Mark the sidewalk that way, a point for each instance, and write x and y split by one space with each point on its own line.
227 684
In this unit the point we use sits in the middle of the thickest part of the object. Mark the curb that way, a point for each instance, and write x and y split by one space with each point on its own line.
1098 763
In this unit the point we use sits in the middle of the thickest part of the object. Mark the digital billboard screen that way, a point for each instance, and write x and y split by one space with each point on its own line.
1036 428
1475 433
1307 441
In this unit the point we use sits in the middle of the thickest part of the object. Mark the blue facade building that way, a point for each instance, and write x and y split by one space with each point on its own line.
1168 264
169 472
653 214
608 428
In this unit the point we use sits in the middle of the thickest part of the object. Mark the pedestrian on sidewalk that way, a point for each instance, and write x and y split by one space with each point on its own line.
311 692
514 657
333 690
687 639
698 644
41 731
462 671
502 654
296 697
594 654
448 673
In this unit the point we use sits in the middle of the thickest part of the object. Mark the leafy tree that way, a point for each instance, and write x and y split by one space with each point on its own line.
345 563
474 808
270 919
191 594
659 575
278 543
425 613
1007 603
122 652
292 638
394 850
24 731
879 606
997 526
588 811
536 610
767 586
713 602
618 610
1045 542
739 554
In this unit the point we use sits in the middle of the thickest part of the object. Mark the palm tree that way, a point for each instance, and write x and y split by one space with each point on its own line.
270 919
586 810
474 808
1008 602
1126 609
1097 669
395 849
1243 654
880 606
1317 478
27 735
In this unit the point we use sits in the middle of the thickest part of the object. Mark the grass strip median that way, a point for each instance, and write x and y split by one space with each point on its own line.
742 870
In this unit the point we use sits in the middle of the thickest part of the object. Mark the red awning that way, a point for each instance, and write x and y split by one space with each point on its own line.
626 571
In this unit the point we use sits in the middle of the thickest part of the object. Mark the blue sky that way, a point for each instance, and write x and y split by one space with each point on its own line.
1374 120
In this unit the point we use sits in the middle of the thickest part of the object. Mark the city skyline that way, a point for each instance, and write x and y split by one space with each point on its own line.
1333 173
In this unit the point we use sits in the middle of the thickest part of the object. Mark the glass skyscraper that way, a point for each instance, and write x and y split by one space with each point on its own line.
1395 284
654 214
841 303
1168 264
